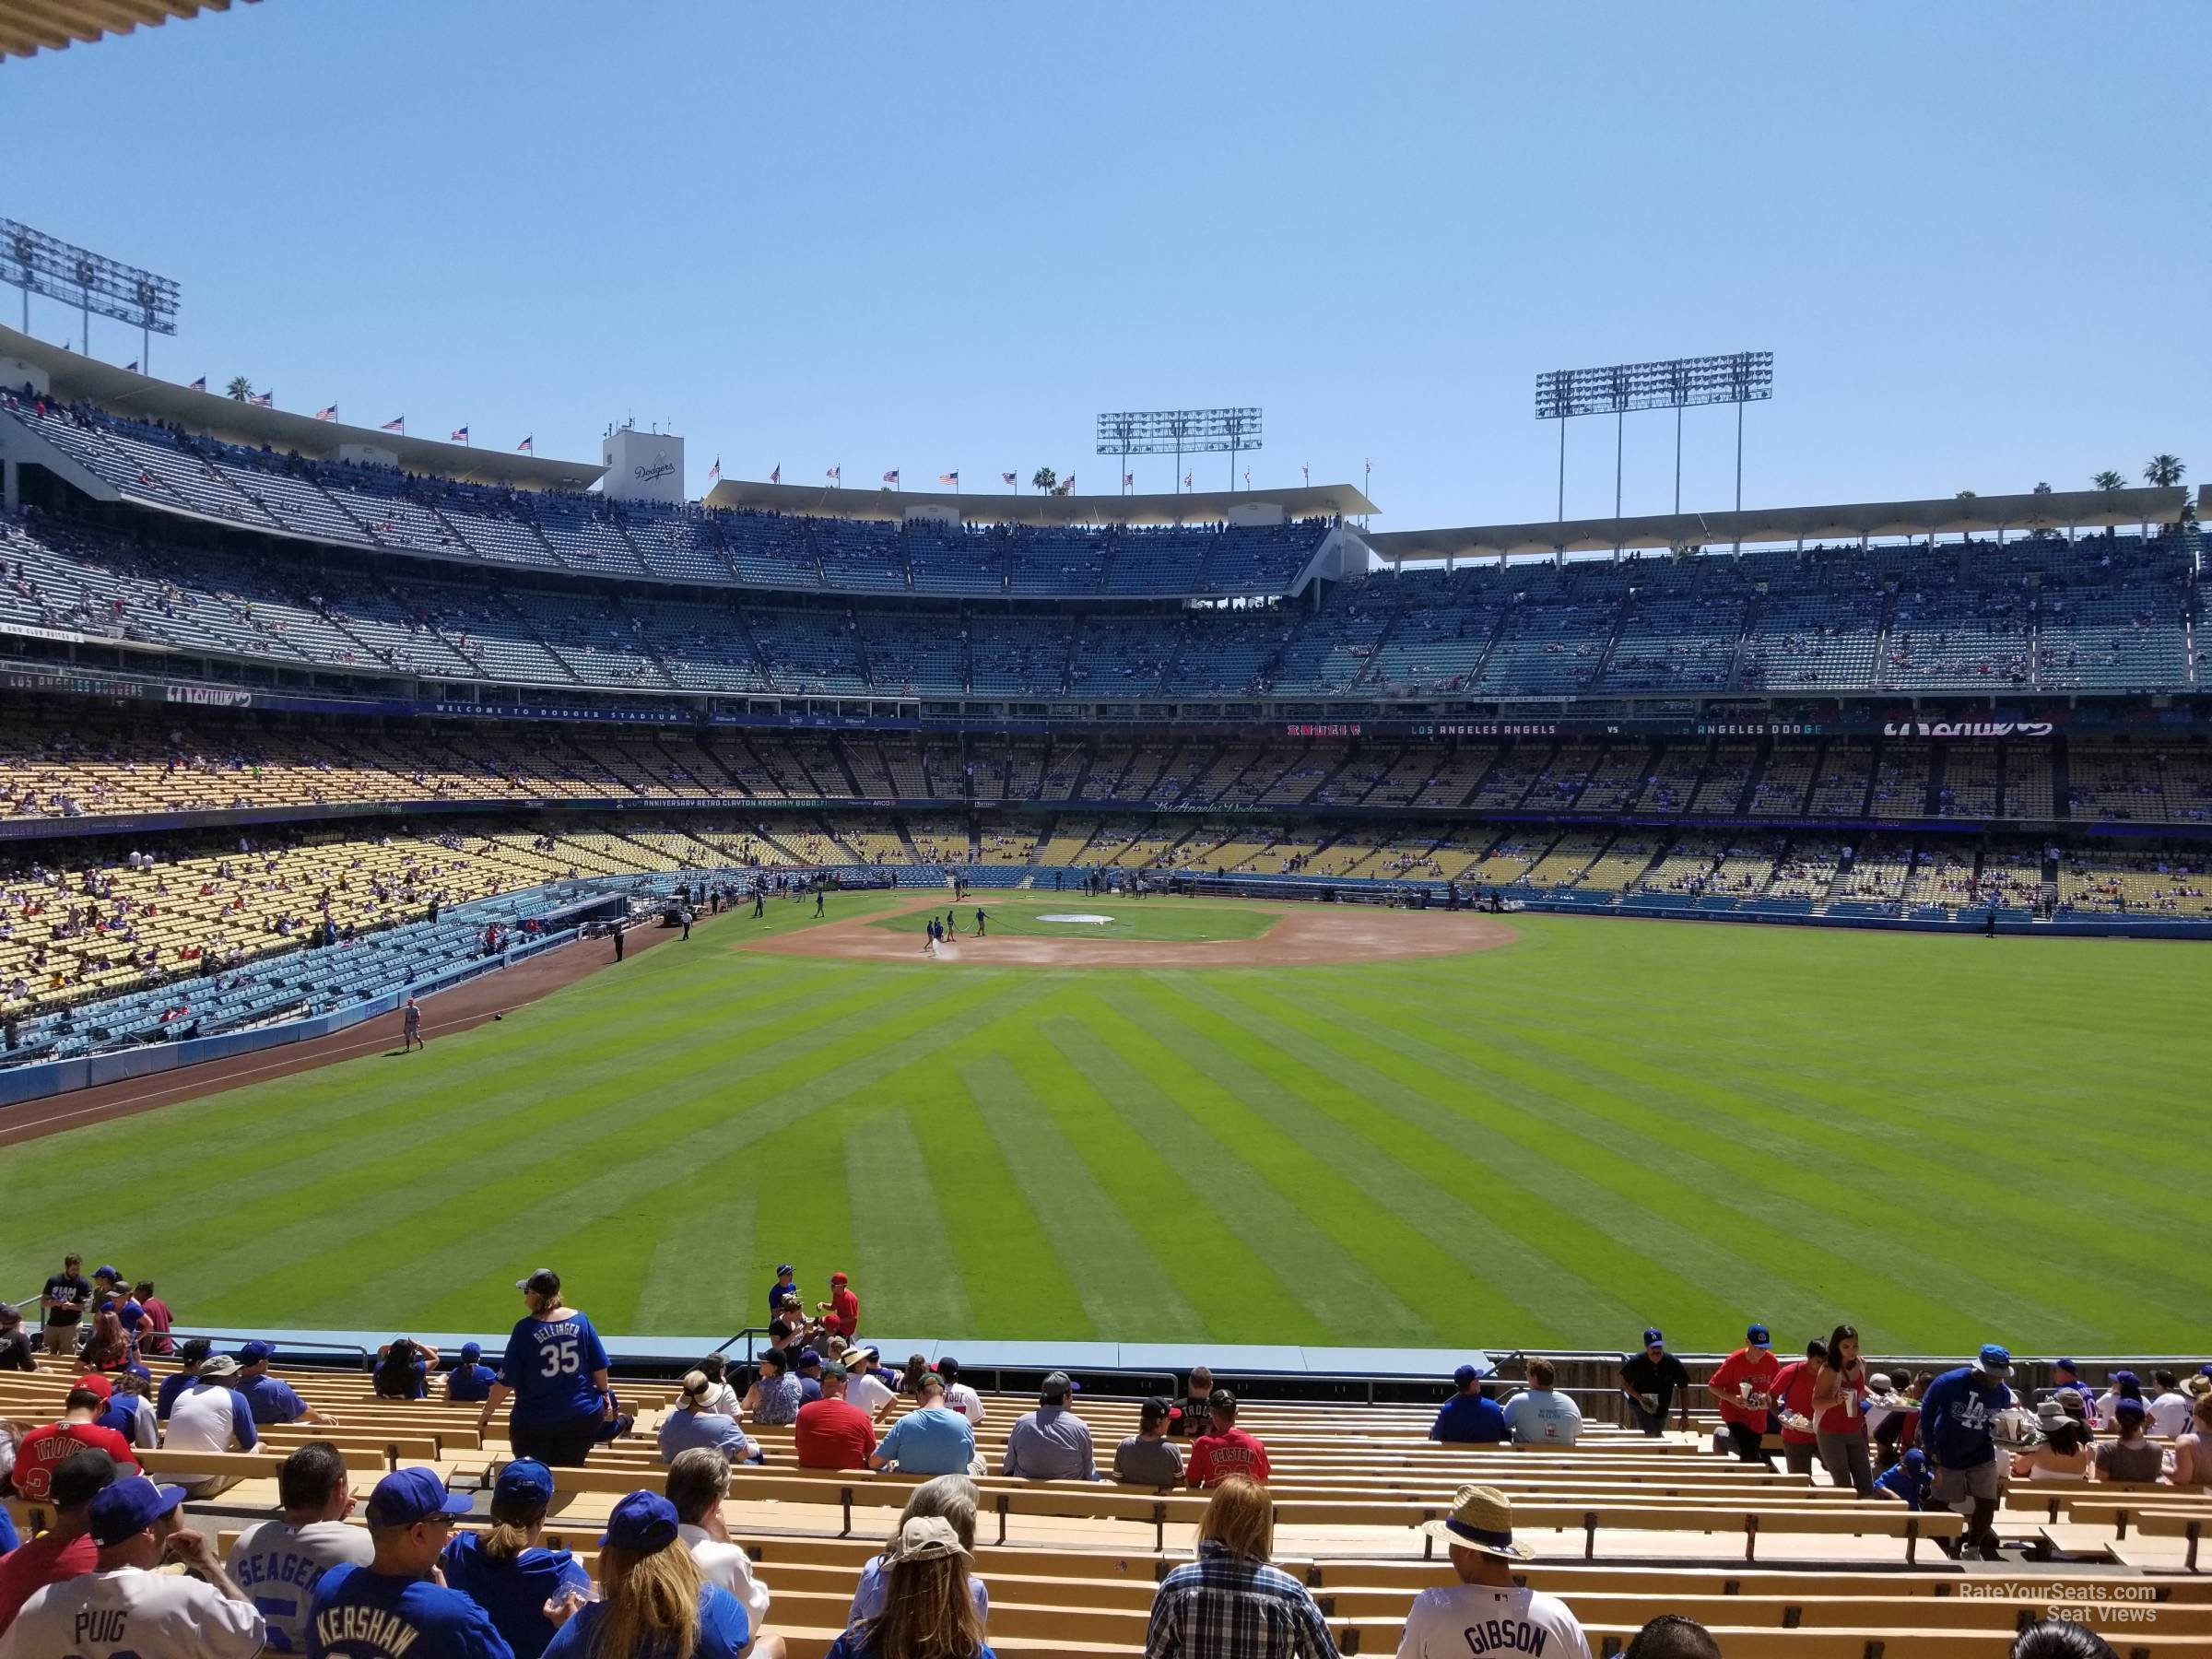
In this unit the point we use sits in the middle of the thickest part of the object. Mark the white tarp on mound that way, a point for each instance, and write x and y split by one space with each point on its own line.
1083 916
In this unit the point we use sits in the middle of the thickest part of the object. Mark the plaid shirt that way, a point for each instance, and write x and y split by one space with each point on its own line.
1223 1606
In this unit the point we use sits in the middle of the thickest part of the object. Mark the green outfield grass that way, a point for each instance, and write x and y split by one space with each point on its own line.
1609 1124
1141 919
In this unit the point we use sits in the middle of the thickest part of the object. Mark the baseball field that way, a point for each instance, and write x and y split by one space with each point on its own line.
1588 1126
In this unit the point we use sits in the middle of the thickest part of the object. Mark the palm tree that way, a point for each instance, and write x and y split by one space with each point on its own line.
239 388
1964 495
2163 472
2108 481
2040 488
1045 481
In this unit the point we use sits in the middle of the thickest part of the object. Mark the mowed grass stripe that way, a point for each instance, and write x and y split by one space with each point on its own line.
544 1181
1119 1283
1348 1257
1628 1230
987 1224
544 1132
1535 1233
1853 1249
694 1281
1158 1198
903 1252
262 1148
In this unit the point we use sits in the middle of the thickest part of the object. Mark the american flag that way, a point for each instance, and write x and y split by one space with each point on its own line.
134 368
1304 472
263 399
1128 480
1067 485
892 477
951 477
460 435
1186 480
200 385
715 470
837 475
1008 476
775 473
398 423
528 446
327 412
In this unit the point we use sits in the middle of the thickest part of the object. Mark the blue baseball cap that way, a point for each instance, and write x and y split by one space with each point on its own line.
1915 1458
643 1522
2125 1376
2065 1365
108 1273
525 1480
129 1507
1464 1375
1996 1360
407 1496
1652 1337
1760 1336
472 1350
808 1356
784 1268
254 1353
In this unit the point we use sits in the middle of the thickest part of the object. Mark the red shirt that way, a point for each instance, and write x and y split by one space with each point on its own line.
1836 1420
1756 1366
47 1560
833 1434
844 1311
1215 1458
1794 1392
43 1449
158 1317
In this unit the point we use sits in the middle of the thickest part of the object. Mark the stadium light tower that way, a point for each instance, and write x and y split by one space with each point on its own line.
39 263
1179 432
1739 378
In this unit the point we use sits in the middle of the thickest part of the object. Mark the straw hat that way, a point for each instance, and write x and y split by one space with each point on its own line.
1481 1520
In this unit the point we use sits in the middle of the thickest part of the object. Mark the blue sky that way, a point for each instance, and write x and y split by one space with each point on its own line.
936 237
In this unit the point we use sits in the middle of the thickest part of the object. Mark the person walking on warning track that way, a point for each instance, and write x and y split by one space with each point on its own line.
817 900
618 941
759 901
410 1027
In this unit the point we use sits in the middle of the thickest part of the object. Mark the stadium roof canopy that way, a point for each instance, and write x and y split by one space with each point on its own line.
1319 500
28 25
1952 515
73 376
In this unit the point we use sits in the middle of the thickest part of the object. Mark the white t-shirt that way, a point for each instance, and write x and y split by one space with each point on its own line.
967 1401
277 1564
132 1614
1547 1418
727 1565
1470 1621
870 1393
2170 1415
722 1401
208 1417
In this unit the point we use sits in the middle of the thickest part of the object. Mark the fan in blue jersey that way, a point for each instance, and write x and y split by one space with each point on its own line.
395 1605
555 1371
470 1382
508 1572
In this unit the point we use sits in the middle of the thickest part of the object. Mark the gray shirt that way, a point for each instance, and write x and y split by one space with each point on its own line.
1141 1462
1050 1443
